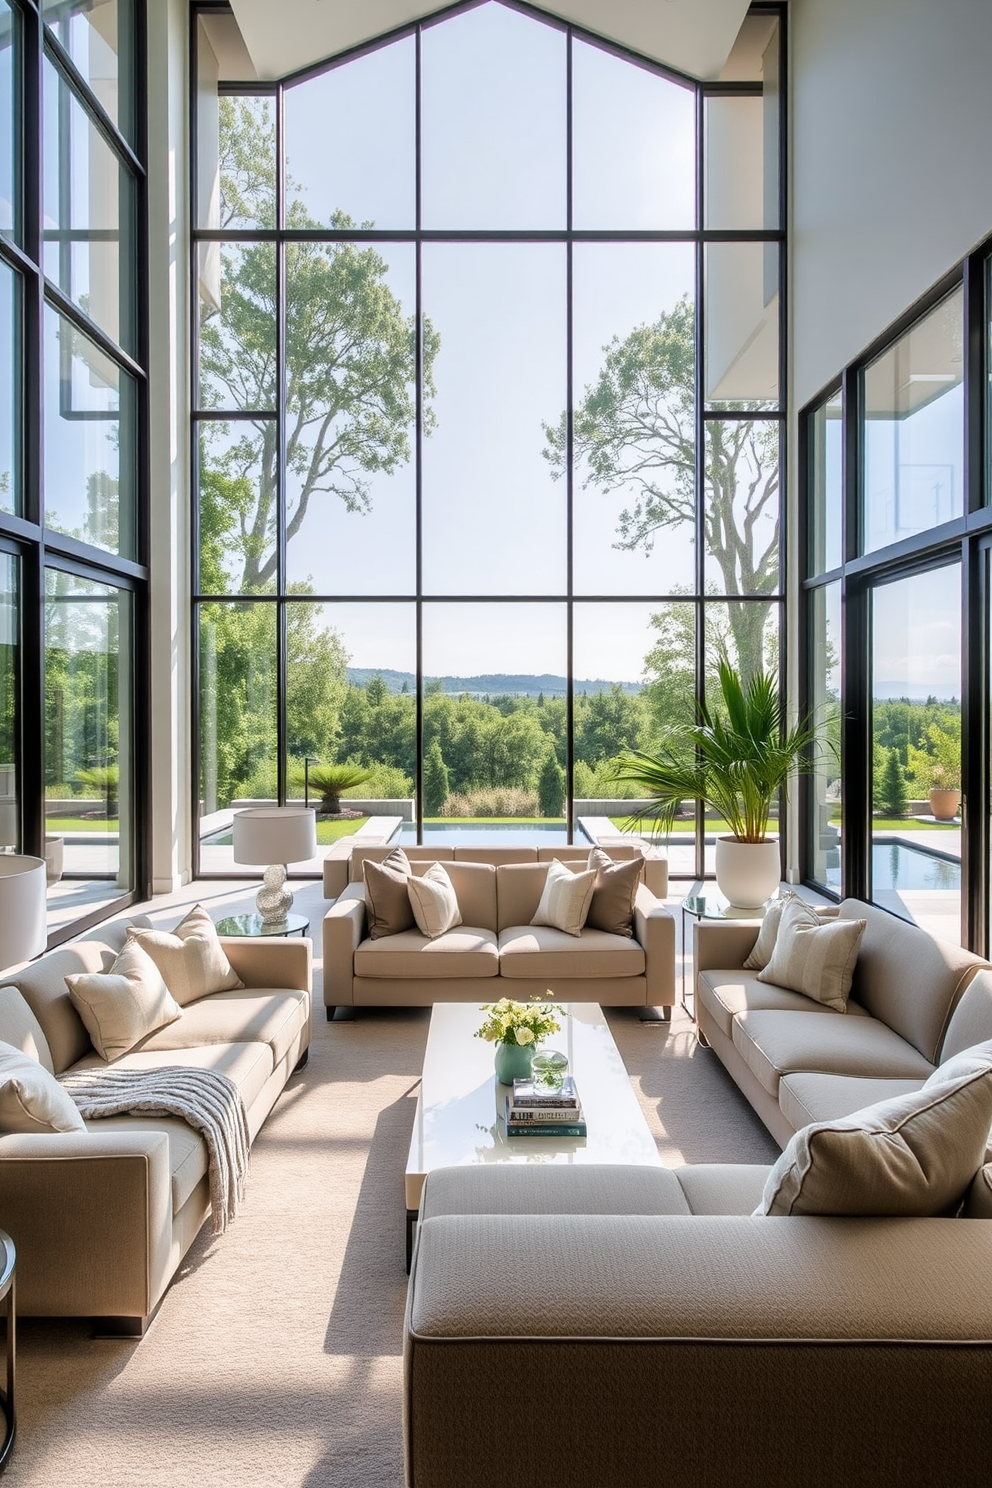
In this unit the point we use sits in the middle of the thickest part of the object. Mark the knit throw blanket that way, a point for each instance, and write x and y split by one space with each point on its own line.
206 1100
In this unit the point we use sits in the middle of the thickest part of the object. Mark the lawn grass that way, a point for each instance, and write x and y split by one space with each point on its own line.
329 831
878 824
81 824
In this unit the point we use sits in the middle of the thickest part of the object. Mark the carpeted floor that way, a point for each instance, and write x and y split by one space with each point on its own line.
275 1359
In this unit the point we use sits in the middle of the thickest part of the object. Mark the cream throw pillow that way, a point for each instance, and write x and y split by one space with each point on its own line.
32 1100
566 898
612 904
387 902
191 958
761 951
911 1155
433 901
122 1005
813 956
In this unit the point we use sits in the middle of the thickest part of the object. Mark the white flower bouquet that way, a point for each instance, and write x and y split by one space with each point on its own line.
522 1023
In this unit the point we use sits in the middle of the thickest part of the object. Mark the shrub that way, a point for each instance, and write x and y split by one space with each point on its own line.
508 800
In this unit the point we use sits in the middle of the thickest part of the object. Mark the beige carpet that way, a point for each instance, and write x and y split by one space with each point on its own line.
275 1358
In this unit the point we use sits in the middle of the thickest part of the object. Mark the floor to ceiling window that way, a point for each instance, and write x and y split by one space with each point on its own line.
487 418
73 487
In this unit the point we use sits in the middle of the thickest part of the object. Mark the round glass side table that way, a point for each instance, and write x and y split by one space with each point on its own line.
8 1260
253 924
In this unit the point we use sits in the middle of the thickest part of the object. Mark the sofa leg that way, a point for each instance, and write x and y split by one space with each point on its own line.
330 1014
654 1014
303 1061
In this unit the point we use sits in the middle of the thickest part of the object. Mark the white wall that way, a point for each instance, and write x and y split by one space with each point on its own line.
891 182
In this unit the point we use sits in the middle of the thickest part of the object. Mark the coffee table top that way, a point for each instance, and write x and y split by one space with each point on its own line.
460 1109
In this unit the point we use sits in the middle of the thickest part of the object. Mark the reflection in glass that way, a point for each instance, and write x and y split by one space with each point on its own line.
498 311
634 424
349 143
491 674
741 182
826 484
9 641
90 412
741 317
350 409
916 746
742 507
633 145
914 429
95 34
88 712
89 214
237 507
826 793
237 311
10 37
351 689
10 482
493 117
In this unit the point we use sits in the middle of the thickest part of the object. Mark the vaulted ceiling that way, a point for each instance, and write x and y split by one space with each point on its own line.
692 36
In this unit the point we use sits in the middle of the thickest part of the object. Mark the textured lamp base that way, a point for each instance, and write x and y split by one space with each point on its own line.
274 900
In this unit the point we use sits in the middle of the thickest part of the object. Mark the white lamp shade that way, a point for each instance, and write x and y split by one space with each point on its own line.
23 925
275 834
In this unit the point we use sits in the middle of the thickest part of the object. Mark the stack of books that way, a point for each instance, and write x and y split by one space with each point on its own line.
532 1111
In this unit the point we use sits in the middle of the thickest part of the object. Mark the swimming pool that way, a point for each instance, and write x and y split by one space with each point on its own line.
896 865
483 834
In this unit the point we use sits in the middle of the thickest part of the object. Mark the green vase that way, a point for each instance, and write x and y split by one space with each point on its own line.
513 1062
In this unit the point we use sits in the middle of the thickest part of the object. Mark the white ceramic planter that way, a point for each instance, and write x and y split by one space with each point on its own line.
747 873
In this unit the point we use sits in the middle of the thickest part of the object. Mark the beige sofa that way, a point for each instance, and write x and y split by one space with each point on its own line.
914 1002
496 951
603 1326
102 1219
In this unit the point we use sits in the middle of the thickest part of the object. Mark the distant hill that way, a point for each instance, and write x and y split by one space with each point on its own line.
495 684
913 692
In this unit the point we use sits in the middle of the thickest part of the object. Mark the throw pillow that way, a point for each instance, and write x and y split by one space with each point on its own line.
813 956
761 951
614 892
566 898
433 900
387 902
32 1100
191 958
910 1155
122 1005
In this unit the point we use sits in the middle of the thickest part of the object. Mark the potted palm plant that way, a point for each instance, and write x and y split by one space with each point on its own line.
736 759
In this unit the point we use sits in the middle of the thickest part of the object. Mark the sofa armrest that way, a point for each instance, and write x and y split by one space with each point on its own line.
344 931
654 871
336 866
91 1216
721 944
271 961
654 931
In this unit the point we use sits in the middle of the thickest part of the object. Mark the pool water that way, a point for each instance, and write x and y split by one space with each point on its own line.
479 834
896 866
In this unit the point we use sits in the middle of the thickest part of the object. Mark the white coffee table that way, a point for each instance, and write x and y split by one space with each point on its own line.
460 1107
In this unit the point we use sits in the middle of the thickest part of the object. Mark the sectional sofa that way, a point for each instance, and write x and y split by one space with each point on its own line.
101 1218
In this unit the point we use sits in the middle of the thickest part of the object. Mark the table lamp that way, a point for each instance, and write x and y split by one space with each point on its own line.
23 926
275 835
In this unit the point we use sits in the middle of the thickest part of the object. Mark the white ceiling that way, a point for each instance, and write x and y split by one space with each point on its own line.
693 36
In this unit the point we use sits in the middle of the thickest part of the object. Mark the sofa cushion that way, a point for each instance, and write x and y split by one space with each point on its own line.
614 892
121 1006
273 1016
42 985
519 887
813 956
433 901
20 1028
722 1188
475 889
565 898
187 1150
910 1155
508 1188
971 1020
31 1099
907 978
808 1096
724 994
528 951
774 1043
387 902
467 951
191 958
978 1199
249 1065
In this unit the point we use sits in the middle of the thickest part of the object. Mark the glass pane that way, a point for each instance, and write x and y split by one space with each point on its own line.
10 36
742 507
237 303
96 34
826 487
498 314
914 429
826 794
493 122
741 306
237 507
916 749
633 348
350 408
90 416
486 667
350 138
633 145
236 159
237 714
9 641
351 712
10 379
89 784
89 208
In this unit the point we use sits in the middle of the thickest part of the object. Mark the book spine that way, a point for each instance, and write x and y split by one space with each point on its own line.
546 1129
538 1113
539 1103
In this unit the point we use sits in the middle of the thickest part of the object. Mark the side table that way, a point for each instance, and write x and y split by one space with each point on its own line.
8 1259
711 906
253 924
